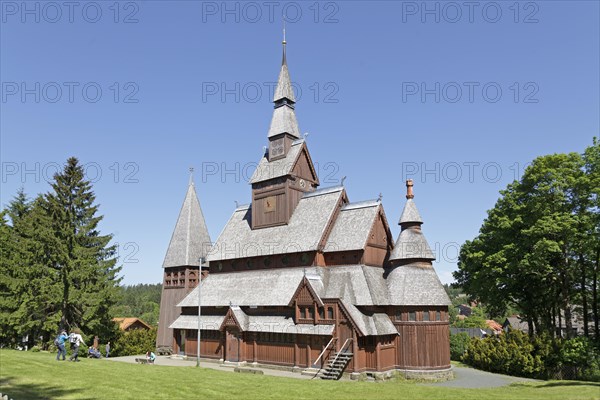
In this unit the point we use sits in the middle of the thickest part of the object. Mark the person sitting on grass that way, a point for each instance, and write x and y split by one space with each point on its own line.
150 357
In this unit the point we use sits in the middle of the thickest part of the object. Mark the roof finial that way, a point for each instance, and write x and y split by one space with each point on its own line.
409 189
380 197
191 176
284 61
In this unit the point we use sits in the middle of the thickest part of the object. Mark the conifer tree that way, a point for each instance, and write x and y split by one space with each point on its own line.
83 260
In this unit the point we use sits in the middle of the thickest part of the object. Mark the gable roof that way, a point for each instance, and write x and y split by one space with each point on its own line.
267 170
352 226
126 323
304 232
190 239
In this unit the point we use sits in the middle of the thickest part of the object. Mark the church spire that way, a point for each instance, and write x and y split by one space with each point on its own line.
411 243
190 239
284 118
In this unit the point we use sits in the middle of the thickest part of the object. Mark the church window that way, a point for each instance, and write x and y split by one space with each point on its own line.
425 315
412 316
321 313
438 316
329 312
311 313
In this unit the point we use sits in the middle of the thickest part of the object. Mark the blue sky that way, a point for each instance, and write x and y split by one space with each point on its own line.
457 96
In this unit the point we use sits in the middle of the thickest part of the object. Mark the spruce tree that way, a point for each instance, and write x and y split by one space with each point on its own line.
84 261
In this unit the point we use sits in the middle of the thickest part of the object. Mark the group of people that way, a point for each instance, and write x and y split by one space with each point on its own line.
75 340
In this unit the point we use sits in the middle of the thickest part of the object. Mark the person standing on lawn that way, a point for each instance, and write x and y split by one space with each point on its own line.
60 343
77 341
107 348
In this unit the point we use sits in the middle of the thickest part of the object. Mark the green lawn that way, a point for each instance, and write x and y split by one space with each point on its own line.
27 375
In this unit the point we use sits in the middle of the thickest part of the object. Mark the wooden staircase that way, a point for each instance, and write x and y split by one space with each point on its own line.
336 365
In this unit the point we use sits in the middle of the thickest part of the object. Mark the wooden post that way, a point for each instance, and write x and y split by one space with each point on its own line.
296 351
378 354
254 348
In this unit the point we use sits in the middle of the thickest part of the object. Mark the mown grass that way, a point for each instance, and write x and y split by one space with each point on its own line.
26 375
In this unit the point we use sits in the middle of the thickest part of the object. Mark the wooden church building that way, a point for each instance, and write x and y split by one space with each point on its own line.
304 278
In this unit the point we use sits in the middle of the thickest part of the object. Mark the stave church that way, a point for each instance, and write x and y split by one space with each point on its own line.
303 278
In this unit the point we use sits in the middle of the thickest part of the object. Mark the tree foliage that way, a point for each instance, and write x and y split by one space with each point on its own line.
538 248
57 270
136 341
140 301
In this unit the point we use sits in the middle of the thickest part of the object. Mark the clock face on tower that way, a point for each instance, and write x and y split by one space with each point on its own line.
270 204
276 148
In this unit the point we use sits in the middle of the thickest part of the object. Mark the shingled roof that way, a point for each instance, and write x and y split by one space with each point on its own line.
284 121
410 213
352 226
304 232
281 167
190 239
354 285
411 243
284 117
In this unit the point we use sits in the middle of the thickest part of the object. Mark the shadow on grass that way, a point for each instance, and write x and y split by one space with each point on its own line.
557 384
32 391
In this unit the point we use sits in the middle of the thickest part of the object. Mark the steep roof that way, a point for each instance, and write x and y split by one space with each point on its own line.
304 232
284 118
190 239
284 121
411 244
410 213
352 226
415 285
274 169
284 83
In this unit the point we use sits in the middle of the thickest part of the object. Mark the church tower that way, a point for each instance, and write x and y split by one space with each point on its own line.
189 243
411 246
286 170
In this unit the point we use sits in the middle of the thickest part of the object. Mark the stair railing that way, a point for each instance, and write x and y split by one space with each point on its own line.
341 349
323 352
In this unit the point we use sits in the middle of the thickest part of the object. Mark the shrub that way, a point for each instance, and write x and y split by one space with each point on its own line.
137 341
458 345
541 357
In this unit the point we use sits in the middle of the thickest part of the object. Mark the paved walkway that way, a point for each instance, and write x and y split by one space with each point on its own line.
471 378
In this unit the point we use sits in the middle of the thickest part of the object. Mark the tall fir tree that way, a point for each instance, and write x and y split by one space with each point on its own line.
84 261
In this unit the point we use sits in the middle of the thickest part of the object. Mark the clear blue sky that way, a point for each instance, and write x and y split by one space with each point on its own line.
390 91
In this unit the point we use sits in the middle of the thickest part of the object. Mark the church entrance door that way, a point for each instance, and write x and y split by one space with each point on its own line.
232 348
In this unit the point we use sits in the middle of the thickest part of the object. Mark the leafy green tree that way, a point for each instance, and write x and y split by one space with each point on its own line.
532 252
